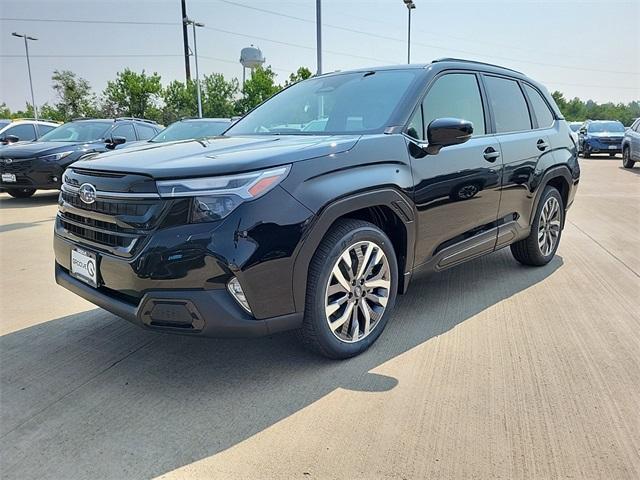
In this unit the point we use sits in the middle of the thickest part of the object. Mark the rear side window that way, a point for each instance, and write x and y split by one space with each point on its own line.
145 132
125 131
455 95
540 107
24 132
509 107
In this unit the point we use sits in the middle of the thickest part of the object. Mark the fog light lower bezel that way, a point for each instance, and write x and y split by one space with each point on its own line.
235 289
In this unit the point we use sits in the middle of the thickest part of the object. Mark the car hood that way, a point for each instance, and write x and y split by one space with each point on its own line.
218 155
38 149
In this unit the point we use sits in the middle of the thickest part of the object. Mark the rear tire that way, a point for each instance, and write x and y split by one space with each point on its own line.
540 246
338 310
21 192
586 154
626 158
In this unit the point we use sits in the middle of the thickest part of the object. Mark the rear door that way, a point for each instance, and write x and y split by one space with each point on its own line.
524 146
634 133
457 191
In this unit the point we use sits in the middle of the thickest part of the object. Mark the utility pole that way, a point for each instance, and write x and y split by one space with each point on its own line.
195 24
410 6
33 99
185 40
319 36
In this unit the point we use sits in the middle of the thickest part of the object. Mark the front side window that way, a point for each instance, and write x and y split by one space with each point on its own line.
415 128
77 132
509 107
23 132
455 95
349 103
125 131
540 107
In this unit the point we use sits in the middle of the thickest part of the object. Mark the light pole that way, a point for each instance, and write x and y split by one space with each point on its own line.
195 24
319 36
185 41
410 6
33 100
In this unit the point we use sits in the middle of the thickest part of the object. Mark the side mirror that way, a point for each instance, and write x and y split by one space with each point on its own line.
444 132
10 139
113 142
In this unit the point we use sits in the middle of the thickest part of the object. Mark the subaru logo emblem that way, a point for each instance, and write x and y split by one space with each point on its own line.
87 193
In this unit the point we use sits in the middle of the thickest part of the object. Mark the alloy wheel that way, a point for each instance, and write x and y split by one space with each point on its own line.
357 291
549 226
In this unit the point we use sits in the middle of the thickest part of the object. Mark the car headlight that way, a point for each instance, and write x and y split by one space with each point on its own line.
55 157
216 197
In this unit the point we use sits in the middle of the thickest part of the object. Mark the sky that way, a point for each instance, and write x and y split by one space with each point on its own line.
588 49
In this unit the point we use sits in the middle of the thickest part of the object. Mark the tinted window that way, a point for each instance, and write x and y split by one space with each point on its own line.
456 95
125 131
637 127
345 103
600 127
509 107
42 129
540 107
145 132
415 128
23 132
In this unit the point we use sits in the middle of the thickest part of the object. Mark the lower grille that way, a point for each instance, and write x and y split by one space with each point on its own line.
94 236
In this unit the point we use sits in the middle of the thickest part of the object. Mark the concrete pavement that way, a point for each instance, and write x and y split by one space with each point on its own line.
488 370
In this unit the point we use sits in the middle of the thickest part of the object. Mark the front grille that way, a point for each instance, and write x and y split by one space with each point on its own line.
117 226
611 141
16 166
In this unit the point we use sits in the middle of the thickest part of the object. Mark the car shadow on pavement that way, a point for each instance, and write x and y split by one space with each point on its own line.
18 226
635 170
91 396
38 200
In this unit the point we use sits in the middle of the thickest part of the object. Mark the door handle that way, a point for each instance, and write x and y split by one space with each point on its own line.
490 154
542 145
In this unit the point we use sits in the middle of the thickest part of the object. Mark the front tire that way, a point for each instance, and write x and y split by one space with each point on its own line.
21 192
351 290
540 246
626 158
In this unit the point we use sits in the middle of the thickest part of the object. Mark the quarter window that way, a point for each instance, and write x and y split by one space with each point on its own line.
509 107
455 95
540 107
415 128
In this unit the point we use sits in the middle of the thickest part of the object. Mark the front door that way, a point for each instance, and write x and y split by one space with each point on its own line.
457 191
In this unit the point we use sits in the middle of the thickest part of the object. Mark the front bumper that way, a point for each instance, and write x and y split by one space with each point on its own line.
32 173
603 146
207 313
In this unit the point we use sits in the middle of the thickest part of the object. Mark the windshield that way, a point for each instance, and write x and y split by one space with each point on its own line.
4 123
575 126
597 127
337 104
77 132
188 129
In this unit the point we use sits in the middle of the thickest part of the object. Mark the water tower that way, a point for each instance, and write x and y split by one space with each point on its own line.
250 57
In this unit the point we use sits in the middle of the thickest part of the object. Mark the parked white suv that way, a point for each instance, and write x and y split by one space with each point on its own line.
23 129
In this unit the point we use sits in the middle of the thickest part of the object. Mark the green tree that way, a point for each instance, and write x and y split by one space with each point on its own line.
134 95
179 101
218 96
5 112
301 74
75 98
260 86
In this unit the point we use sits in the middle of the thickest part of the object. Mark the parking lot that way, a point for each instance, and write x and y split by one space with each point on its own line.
488 370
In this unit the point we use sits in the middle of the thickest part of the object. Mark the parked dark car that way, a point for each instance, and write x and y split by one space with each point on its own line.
28 167
600 136
265 229
631 145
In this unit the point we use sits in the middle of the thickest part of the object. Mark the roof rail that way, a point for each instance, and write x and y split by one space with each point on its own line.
451 59
83 118
34 119
135 119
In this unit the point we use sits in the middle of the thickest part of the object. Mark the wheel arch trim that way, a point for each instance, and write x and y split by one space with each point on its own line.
386 197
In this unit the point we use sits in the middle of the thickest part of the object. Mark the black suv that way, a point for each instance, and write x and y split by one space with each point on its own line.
274 227
25 168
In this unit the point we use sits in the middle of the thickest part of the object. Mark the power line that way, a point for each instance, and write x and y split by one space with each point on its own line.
394 39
